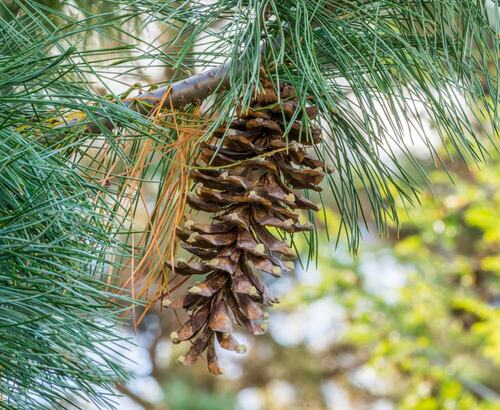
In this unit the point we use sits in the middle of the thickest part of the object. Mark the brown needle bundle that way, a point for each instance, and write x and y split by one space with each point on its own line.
251 190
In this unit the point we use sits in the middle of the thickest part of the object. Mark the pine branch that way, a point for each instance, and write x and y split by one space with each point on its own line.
193 89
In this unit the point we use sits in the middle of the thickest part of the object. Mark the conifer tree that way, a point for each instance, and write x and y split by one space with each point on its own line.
266 100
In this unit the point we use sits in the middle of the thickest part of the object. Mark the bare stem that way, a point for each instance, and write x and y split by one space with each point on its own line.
191 89
197 87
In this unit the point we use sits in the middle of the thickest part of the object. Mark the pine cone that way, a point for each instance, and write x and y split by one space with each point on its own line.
251 191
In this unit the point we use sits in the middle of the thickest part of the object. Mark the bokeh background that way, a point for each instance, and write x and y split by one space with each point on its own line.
411 322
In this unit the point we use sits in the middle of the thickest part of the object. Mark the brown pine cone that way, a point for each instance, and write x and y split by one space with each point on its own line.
251 191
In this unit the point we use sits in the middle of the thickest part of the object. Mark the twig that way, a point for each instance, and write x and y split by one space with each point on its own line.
191 89
196 87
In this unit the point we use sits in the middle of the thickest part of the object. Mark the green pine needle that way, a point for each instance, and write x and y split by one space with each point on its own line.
58 319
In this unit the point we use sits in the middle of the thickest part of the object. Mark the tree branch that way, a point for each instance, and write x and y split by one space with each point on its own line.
191 89
183 92
197 87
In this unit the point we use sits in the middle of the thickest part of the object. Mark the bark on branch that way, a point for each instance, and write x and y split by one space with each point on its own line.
191 89
197 87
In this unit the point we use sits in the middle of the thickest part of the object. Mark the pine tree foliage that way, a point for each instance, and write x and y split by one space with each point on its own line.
72 183
59 307
55 311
